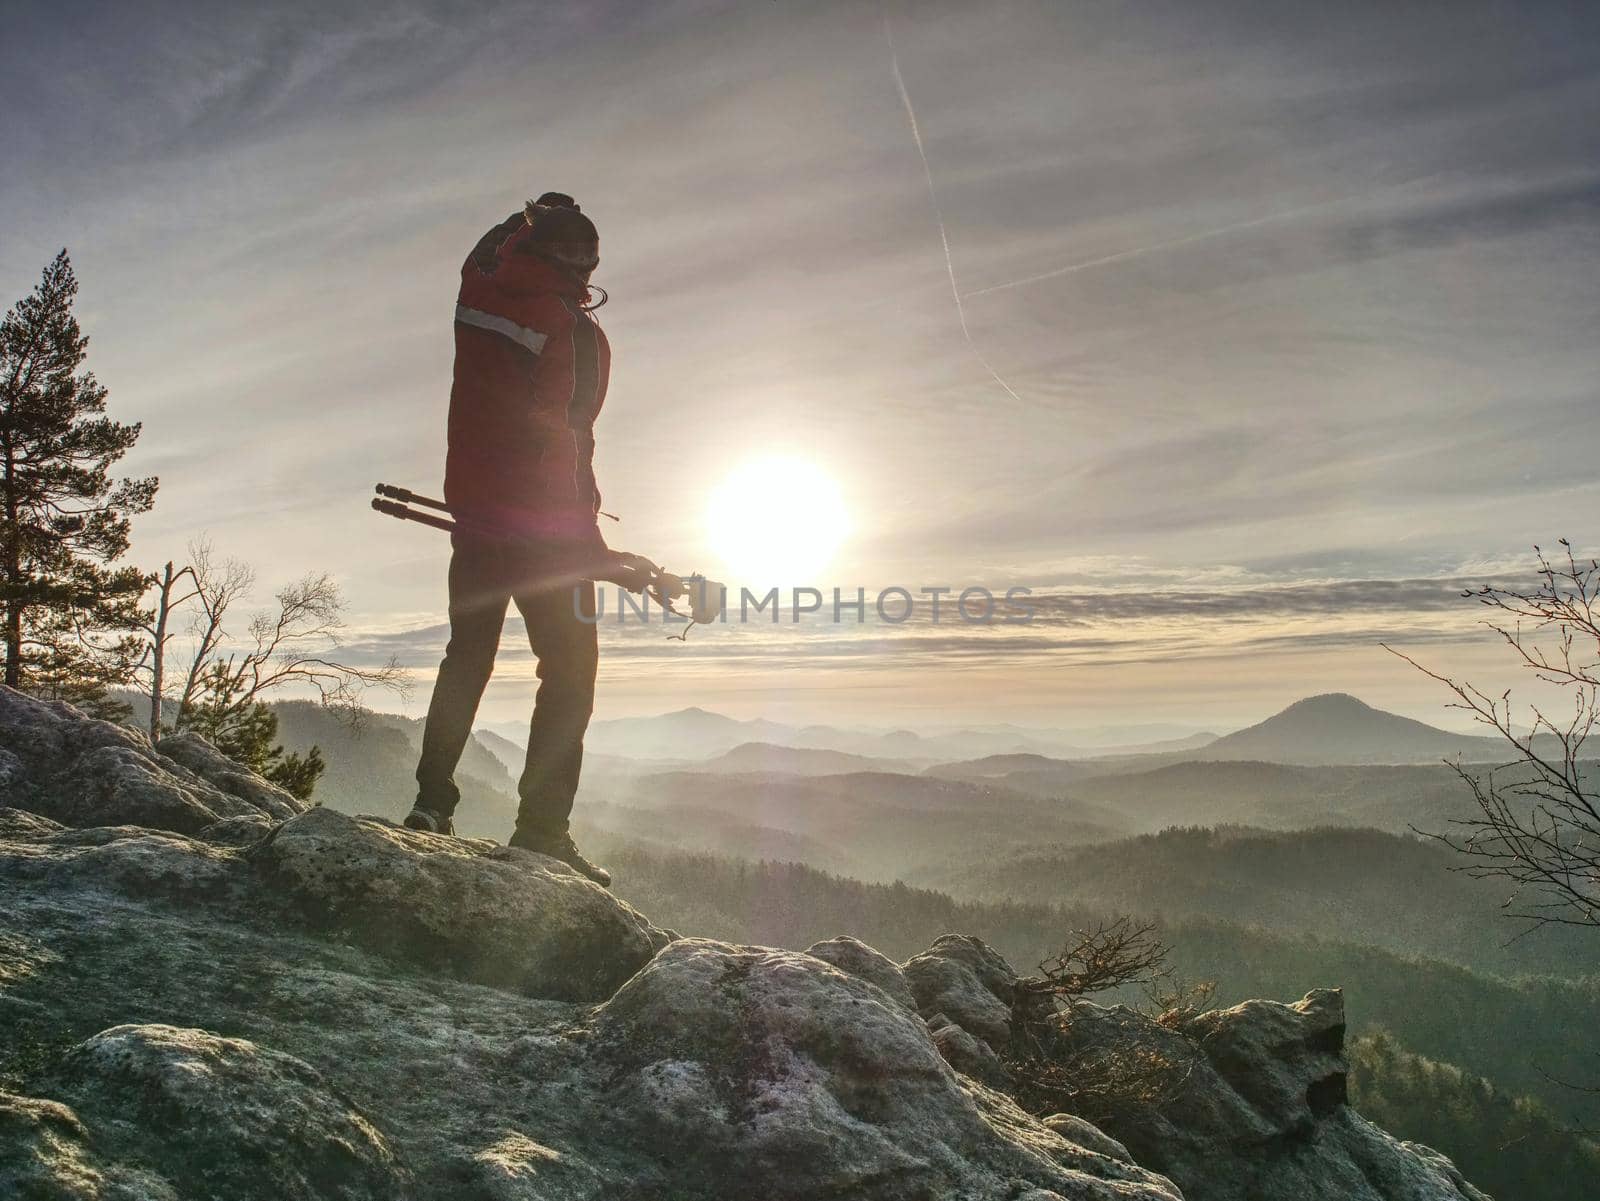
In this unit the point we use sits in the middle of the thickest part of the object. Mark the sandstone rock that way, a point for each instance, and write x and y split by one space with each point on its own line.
970 1055
969 982
84 772
1286 1061
1086 1134
396 977
243 830
515 1167
771 1074
230 1118
125 786
493 915
45 1154
856 958
20 823
13 774
44 736
215 768
1260 1112
138 863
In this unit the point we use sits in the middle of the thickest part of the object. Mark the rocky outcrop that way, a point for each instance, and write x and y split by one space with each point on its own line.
271 1055
221 772
83 772
969 983
1244 1104
1262 1111
45 1152
774 1075
229 1118
855 958
261 1002
498 916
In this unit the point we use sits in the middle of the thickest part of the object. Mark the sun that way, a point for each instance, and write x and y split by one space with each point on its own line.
777 520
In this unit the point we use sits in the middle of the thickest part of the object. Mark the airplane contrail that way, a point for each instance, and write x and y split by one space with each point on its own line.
938 214
1136 251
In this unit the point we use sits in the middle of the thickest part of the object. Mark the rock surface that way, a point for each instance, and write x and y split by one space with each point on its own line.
968 982
1255 1106
258 1002
230 1118
778 1076
84 772
855 958
45 1153
216 769
494 915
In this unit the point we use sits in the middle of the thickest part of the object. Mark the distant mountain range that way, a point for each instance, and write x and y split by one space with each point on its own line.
695 734
1333 728
1328 730
1256 775
1039 775
796 761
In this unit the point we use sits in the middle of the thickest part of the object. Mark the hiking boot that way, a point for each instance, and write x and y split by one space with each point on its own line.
560 846
421 818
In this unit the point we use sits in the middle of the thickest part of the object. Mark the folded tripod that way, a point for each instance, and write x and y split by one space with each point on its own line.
633 572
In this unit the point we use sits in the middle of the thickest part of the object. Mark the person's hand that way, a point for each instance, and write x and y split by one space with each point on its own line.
633 572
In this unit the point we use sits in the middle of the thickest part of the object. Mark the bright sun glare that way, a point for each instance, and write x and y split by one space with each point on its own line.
777 521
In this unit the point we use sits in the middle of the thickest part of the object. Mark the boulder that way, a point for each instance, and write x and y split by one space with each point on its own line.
45 736
1258 1108
45 1153
216 769
245 829
126 786
508 918
856 958
224 1117
970 1055
1086 1134
20 823
969 982
771 1074
1286 1061
80 771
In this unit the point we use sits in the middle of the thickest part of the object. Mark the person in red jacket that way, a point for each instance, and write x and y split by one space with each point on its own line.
531 365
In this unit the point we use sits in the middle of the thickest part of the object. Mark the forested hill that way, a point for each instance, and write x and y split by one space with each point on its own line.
1399 892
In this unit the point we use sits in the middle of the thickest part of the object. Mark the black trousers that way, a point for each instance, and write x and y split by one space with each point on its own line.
485 577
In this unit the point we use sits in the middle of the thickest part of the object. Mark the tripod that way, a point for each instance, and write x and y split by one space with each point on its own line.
633 572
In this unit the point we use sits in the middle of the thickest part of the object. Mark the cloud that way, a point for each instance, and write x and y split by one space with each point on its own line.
1147 625
1323 306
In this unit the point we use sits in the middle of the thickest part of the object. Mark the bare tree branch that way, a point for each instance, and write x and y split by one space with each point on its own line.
1111 955
1537 824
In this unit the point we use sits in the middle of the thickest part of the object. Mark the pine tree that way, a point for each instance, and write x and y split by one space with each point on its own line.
246 730
70 612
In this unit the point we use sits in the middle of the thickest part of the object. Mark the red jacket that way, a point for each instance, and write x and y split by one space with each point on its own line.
530 378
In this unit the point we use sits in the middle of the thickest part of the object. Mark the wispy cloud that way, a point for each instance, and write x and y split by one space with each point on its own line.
1291 294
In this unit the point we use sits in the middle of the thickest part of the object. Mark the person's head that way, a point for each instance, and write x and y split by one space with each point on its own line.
564 236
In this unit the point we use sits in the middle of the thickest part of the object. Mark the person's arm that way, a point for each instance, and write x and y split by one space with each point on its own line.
484 255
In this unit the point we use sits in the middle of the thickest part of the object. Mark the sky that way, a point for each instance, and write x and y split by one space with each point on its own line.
1245 335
